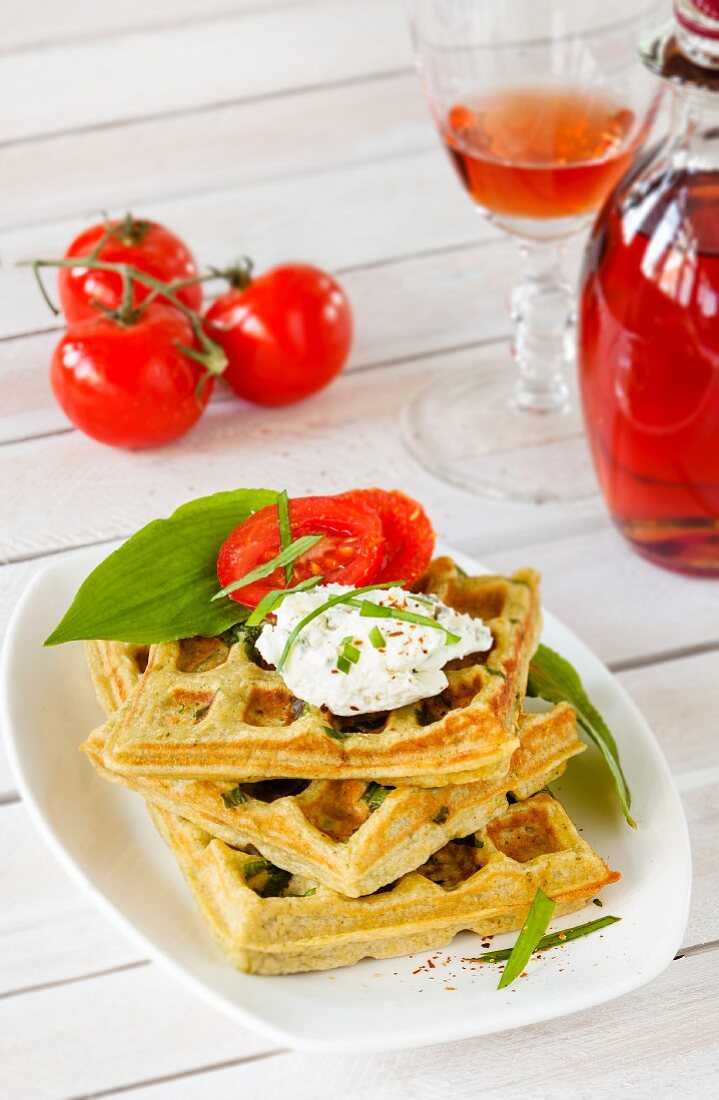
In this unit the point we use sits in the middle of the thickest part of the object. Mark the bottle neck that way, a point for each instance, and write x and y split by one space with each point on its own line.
685 51
697 31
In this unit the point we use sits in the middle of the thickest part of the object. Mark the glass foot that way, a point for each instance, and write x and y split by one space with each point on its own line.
466 430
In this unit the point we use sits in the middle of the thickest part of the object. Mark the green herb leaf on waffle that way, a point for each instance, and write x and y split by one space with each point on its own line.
553 678
273 880
531 933
374 796
337 735
234 797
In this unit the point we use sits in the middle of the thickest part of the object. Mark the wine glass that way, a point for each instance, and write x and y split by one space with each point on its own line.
542 106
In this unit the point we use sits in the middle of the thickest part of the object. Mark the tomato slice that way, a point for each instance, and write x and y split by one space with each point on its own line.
350 551
408 533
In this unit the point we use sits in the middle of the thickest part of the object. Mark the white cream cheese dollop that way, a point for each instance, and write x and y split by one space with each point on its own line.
406 668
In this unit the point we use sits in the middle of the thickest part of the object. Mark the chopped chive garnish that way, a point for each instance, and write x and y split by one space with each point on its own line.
377 638
274 598
495 672
344 665
295 550
283 520
424 599
596 901
532 931
308 893
375 795
336 735
343 597
234 797
371 610
554 939
441 816
351 652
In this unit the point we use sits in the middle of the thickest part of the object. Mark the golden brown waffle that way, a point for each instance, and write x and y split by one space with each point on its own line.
115 668
204 709
350 835
485 885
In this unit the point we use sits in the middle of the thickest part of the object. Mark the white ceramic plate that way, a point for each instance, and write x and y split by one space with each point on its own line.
103 836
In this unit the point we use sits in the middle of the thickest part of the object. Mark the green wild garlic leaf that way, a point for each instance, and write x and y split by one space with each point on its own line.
158 586
551 677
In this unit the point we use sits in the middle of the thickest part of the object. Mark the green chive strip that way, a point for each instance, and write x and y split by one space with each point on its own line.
274 598
344 665
554 939
532 931
369 610
283 520
343 597
295 550
377 638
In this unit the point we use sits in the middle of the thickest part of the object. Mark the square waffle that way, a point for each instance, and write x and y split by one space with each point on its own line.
271 922
350 835
205 709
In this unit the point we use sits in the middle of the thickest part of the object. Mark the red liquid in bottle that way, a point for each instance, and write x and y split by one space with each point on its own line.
649 365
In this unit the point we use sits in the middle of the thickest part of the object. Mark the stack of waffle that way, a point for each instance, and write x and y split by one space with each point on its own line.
312 841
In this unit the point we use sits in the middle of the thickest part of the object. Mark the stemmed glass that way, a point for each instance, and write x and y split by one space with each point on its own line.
541 105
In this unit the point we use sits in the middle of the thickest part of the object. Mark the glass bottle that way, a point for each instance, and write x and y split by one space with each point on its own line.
649 316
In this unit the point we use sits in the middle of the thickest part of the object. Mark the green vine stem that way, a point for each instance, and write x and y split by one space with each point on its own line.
211 357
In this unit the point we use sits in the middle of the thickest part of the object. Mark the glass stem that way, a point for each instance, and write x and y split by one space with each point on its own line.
543 312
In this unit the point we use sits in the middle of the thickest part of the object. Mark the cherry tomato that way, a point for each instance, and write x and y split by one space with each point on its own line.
349 552
286 335
130 385
408 533
146 245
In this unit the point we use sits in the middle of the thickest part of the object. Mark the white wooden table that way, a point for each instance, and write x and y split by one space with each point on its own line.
295 129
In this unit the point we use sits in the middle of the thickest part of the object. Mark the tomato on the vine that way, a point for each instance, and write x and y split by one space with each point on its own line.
349 551
409 538
146 245
130 385
286 334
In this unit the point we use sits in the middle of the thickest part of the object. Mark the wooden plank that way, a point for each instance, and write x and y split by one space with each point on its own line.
212 150
681 699
405 309
345 217
39 896
661 1039
110 1031
184 67
346 437
623 607
28 24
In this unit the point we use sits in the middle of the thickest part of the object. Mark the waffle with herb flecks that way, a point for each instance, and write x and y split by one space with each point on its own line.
351 835
206 709
269 921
